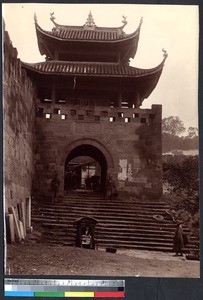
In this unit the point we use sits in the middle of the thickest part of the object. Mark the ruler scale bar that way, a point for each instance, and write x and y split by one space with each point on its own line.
66 294
87 288
41 288
66 282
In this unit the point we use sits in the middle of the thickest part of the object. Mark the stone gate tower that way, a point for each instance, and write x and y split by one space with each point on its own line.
88 100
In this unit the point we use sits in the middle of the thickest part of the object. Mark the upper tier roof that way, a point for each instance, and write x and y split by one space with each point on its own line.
88 33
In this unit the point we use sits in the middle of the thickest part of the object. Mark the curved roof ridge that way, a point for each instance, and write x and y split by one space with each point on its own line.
117 32
89 24
137 71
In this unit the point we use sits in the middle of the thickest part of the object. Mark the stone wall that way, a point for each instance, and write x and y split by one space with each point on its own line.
19 116
130 139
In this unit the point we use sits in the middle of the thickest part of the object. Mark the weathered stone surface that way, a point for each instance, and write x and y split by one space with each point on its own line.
19 119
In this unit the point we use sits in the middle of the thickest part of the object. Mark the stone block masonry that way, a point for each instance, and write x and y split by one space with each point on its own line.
130 137
19 121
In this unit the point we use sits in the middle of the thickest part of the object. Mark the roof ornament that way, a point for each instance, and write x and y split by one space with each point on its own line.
35 18
165 55
141 21
52 18
124 21
90 21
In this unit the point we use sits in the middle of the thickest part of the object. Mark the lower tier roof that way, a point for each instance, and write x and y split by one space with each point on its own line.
91 69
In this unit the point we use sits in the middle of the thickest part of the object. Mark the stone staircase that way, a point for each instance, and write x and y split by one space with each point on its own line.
122 223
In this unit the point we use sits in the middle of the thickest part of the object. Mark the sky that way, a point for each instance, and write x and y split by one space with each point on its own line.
172 27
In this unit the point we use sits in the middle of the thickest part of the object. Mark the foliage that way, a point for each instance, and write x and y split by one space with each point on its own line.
182 176
170 142
172 125
192 132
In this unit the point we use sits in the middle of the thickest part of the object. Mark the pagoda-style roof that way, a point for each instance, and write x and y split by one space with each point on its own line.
90 69
148 78
71 37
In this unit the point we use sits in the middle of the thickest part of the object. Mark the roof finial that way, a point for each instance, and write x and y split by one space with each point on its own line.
52 18
90 21
141 21
165 53
124 20
35 18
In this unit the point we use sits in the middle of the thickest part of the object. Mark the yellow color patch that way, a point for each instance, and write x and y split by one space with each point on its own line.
79 294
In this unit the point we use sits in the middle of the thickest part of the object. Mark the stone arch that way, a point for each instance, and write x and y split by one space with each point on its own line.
93 148
88 141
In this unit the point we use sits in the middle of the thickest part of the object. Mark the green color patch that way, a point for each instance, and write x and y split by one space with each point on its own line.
49 294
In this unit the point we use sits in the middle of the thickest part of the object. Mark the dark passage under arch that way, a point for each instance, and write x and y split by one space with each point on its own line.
93 152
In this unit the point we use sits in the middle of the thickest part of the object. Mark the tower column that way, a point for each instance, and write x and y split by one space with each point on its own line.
120 99
137 100
53 92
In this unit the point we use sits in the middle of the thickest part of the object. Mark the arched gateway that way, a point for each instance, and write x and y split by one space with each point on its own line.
86 148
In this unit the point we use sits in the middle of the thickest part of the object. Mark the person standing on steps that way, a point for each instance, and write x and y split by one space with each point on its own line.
178 243
109 188
55 187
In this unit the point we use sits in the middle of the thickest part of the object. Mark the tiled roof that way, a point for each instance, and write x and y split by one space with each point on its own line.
92 69
80 33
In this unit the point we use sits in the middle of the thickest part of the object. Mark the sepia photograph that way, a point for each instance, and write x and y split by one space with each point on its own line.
101 140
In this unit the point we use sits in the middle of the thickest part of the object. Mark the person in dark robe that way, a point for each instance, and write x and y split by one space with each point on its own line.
55 187
109 188
178 243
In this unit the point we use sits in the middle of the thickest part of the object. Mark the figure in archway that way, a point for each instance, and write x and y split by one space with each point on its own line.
111 190
55 187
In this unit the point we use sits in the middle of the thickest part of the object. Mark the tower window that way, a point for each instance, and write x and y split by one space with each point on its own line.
120 114
124 104
64 116
135 115
127 120
89 112
143 120
104 113
73 112
40 111
57 111
48 116
80 117
112 119
97 118
61 101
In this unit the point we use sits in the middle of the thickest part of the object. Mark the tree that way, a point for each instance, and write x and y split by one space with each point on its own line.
172 125
182 176
192 132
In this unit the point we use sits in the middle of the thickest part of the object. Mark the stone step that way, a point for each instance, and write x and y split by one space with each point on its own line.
101 209
110 224
103 219
111 227
124 246
118 231
127 223
112 203
120 235
100 217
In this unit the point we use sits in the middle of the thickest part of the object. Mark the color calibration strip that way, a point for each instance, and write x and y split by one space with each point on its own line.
15 287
